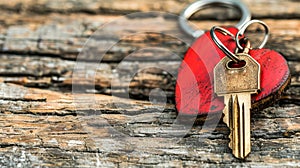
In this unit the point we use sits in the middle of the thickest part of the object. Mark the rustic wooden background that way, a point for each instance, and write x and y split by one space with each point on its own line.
39 121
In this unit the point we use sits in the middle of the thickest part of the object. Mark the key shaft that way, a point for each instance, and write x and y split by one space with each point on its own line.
239 124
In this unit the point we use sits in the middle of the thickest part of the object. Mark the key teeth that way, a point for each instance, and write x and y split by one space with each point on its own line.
229 112
230 130
225 120
230 134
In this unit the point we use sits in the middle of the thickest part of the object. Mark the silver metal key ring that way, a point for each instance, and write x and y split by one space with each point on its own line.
201 4
228 53
245 26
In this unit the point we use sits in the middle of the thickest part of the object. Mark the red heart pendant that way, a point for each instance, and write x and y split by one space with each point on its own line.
194 92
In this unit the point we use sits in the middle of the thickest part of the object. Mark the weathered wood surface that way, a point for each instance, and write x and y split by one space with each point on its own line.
42 125
261 8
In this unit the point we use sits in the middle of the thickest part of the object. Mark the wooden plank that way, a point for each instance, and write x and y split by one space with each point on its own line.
140 76
259 8
57 74
45 139
65 38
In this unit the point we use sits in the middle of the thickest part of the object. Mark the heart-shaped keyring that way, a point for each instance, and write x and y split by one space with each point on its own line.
194 92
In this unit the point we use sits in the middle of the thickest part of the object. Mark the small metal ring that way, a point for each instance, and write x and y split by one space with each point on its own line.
228 53
243 29
198 5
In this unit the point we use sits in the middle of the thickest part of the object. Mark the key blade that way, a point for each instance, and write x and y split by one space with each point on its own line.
240 126
246 120
235 127
230 122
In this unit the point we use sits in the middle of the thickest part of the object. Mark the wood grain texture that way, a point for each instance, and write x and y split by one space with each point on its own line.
44 123
259 8
64 37
46 129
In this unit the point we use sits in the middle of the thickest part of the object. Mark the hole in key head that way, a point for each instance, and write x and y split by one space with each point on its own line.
239 64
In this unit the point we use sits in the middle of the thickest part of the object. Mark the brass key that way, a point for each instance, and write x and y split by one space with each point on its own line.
236 82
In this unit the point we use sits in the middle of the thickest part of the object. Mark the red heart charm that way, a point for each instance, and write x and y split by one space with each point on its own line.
194 92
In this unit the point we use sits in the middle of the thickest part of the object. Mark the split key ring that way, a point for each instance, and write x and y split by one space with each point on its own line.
201 4
228 53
